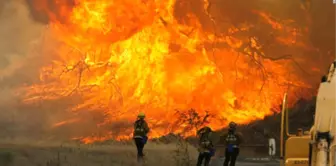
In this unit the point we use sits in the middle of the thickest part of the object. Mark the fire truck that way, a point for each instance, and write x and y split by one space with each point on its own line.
316 147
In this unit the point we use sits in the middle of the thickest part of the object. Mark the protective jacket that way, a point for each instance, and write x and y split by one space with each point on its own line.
205 141
141 129
232 138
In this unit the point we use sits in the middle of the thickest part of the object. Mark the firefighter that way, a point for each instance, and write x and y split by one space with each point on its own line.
206 148
232 140
141 130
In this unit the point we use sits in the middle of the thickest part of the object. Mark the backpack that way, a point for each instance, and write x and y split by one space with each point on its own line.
205 140
139 128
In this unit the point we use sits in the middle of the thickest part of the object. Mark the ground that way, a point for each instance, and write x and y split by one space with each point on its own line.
114 154
219 162
85 155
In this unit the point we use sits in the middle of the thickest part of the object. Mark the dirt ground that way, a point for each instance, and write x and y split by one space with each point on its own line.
55 154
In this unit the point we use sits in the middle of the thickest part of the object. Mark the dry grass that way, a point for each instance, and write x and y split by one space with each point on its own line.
115 154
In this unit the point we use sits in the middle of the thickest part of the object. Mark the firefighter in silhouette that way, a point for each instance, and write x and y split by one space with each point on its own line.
141 130
206 148
232 140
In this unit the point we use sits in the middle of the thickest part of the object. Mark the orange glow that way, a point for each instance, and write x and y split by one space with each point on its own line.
126 56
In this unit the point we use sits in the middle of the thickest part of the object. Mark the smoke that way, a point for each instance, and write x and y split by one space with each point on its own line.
19 33
54 8
20 61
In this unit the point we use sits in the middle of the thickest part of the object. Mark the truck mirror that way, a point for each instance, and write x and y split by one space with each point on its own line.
299 132
324 79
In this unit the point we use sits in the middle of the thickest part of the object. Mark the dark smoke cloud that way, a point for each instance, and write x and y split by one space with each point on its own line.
41 9
323 25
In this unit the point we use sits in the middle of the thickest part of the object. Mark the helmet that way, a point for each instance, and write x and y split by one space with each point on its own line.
232 125
207 129
141 115
204 130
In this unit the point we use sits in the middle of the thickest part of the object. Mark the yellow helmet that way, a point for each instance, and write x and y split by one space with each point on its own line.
141 115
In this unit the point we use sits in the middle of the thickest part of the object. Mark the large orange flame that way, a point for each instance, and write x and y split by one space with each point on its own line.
125 56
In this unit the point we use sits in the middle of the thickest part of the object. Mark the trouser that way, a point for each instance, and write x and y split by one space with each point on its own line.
205 156
231 157
140 146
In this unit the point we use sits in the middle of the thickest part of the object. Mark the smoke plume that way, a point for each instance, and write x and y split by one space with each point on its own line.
20 39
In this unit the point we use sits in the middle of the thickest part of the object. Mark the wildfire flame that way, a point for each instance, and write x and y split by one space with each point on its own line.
119 57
